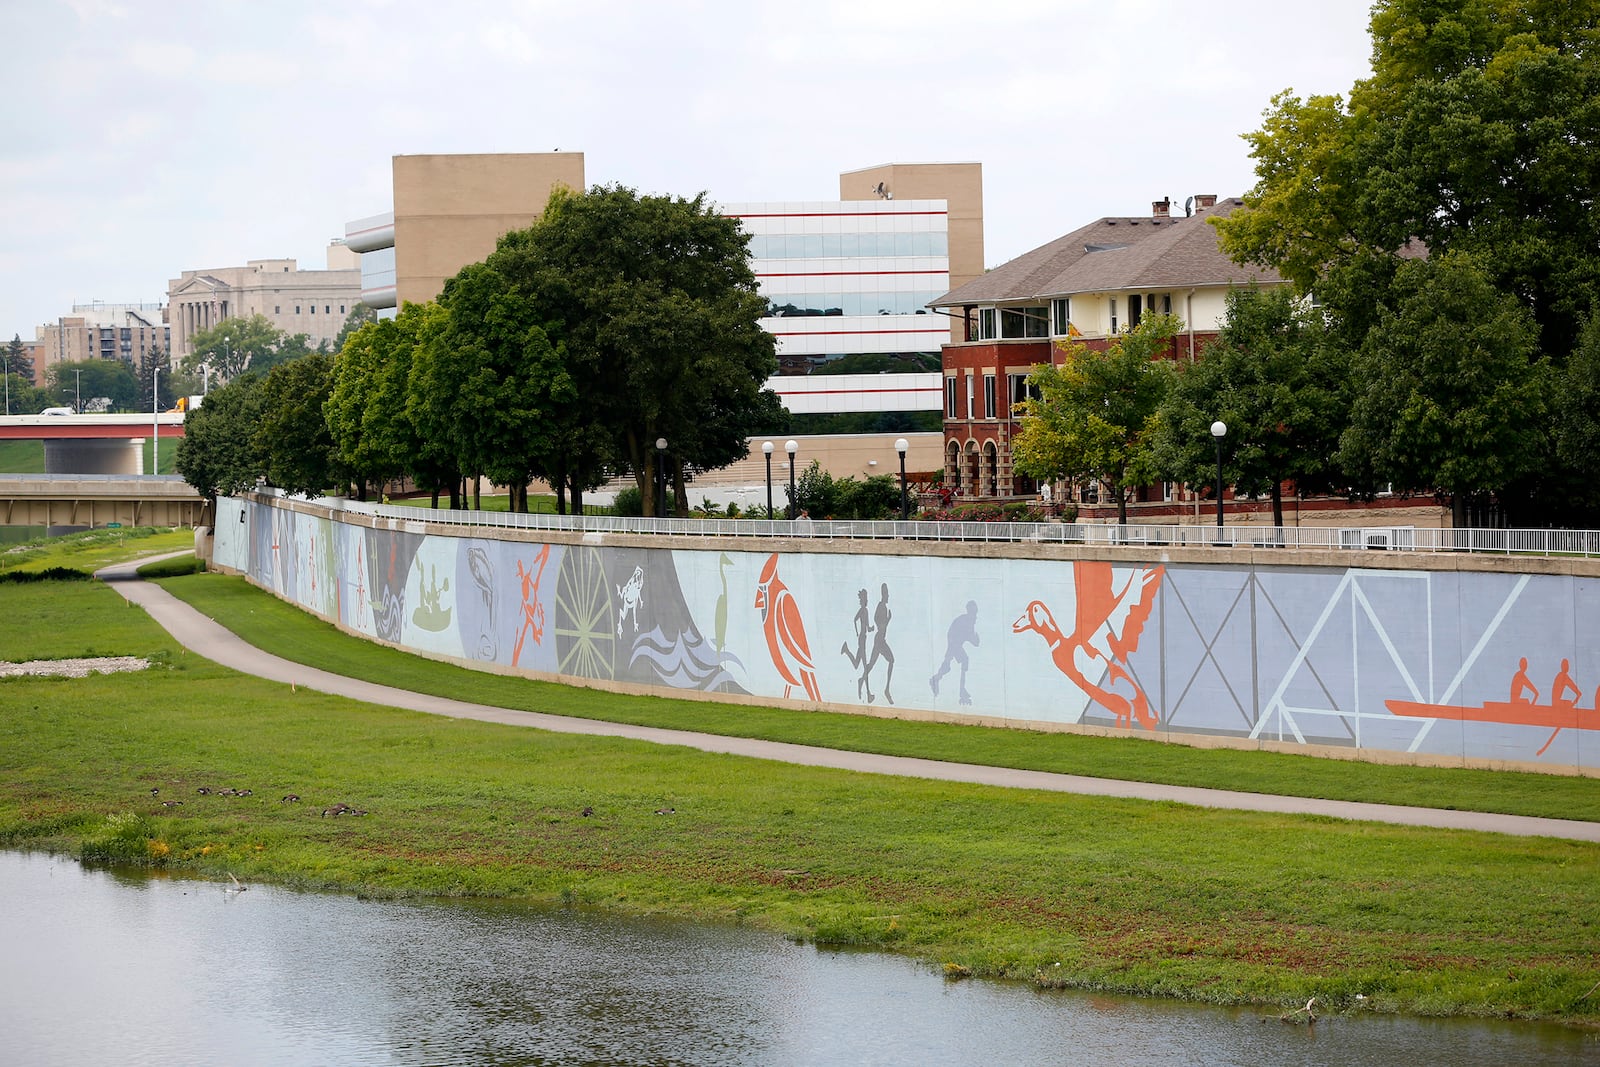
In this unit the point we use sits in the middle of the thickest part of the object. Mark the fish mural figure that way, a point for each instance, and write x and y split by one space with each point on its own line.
1111 613
786 633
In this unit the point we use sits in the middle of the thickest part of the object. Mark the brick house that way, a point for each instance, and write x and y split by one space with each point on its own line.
1090 284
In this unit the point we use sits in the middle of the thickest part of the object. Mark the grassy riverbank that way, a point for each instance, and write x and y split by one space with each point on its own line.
1062 890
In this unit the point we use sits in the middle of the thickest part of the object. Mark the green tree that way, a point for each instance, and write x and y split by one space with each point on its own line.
1478 133
370 410
359 316
291 435
1452 393
156 359
492 387
85 379
1578 420
1095 415
218 453
14 359
1278 385
232 346
650 306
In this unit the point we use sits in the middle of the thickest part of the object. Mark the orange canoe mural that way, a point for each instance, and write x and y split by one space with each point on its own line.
1521 710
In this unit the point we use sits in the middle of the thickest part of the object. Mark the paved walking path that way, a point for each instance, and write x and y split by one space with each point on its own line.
199 634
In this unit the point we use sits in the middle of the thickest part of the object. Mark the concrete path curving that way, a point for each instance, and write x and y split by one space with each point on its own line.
199 634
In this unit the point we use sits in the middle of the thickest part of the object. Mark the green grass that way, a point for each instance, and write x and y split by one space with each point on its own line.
92 549
1061 890
280 628
22 457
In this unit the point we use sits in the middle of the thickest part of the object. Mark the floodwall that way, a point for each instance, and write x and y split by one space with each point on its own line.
1429 659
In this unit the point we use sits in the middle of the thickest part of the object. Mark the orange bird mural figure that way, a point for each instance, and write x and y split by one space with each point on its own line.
1109 621
786 634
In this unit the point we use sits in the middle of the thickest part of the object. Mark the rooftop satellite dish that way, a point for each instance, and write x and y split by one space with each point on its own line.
883 192
1188 206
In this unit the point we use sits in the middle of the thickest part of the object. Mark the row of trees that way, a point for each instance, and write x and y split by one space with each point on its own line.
614 322
1445 218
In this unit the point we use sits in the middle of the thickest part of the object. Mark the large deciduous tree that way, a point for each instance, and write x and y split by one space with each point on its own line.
218 454
650 306
1279 387
84 379
371 410
1452 395
235 345
1095 415
1478 133
292 435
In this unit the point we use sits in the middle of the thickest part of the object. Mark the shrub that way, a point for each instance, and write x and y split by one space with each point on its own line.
629 502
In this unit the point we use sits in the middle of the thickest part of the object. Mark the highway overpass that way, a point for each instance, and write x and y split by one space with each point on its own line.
61 502
94 444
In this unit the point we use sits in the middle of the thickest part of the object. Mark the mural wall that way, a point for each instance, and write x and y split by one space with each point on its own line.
1500 666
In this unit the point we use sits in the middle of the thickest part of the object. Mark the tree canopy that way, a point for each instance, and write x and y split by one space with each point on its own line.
218 454
237 344
1094 417
1477 137
619 319
1276 383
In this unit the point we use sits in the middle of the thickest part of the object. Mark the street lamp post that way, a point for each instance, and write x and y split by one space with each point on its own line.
766 447
155 420
79 408
900 446
661 477
791 446
1219 430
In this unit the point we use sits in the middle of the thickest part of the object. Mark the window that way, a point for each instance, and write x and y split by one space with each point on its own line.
1166 303
1135 311
327 309
1113 314
297 309
970 406
1061 316
277 309
1018 390
1024 322
986 327
950 397
342 311
988 396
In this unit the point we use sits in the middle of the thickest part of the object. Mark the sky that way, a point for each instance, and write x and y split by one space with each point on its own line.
143 138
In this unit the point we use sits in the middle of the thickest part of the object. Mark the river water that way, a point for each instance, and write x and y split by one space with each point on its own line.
100 967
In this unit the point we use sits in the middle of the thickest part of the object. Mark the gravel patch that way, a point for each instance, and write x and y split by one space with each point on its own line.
74 668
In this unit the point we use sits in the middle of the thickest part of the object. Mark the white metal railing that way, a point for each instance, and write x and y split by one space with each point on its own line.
1333 538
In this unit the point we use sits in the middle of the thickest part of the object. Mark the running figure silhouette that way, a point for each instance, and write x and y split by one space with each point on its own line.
963 630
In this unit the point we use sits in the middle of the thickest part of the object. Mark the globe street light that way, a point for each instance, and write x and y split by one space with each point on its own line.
900 446
661 477
791 446
766 447
1219 430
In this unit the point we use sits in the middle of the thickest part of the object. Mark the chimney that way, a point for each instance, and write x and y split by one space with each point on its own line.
1161 209
1205 200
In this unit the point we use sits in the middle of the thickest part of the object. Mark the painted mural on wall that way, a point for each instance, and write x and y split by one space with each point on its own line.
1487 666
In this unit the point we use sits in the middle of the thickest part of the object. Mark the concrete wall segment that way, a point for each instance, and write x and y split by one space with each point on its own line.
1407 657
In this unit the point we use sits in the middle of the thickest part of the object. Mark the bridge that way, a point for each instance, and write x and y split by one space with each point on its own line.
93 444
61 502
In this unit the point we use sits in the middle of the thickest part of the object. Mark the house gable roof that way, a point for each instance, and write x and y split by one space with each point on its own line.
1113 254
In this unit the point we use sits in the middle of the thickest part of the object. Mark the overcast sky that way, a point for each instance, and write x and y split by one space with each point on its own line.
142 138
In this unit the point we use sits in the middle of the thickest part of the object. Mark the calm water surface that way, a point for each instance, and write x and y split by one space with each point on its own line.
103 967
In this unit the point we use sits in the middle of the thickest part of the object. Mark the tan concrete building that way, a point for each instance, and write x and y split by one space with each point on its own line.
100 331
312 302
960 185
449 210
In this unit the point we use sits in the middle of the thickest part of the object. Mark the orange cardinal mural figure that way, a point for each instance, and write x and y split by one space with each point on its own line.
1109 621
786 634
